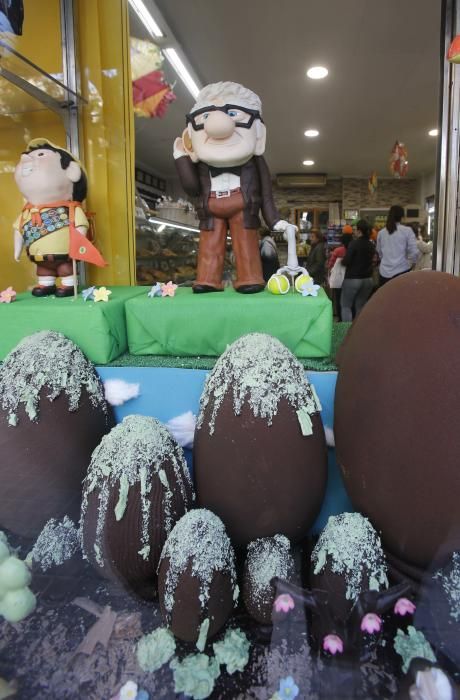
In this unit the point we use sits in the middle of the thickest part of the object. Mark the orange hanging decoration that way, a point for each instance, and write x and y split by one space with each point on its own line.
453 55
399 165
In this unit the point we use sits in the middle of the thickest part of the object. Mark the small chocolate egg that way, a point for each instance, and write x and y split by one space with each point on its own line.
396 414
260 455
52 415
347 560
267 558
136 489
196 577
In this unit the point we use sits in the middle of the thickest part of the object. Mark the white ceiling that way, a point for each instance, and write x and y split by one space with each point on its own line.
383 83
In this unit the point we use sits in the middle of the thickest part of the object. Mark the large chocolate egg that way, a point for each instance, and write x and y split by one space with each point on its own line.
397 409
52 416
196 577
136 489
267 558
259 453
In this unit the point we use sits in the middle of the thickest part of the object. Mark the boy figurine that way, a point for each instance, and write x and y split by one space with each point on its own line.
54 185
220 164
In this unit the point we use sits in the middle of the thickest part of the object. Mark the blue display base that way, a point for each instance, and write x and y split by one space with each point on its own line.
167 392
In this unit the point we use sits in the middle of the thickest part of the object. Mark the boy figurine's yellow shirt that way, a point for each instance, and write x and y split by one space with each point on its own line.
55 242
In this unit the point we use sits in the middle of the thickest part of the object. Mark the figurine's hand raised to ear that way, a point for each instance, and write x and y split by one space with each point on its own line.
179 149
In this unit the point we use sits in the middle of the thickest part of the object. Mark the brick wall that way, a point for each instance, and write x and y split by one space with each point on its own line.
350 193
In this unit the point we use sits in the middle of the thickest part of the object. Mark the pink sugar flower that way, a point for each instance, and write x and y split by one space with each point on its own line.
168 290
404 606
7 296
371 623
333 644
284 603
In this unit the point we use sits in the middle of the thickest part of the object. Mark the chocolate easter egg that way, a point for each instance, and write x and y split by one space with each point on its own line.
196 577
396 414
52 415
347 560
259 453
136 489
267 558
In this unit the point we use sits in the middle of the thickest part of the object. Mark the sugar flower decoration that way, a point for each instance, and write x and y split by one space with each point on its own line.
404 606
155 649
101 294
412 645
288 689
371 623
310 289
233 651
142 695
155 291
7 296
195 675
168 289
88 294
127 692
284 603
333 644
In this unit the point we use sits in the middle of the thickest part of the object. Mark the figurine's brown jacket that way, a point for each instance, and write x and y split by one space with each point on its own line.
255 185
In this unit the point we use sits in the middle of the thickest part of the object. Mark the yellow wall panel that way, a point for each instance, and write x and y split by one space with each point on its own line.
107 131
23 118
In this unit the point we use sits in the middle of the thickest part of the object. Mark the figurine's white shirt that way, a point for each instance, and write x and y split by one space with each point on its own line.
225 181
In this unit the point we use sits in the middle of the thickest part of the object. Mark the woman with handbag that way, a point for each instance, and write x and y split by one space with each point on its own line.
337 272
358 283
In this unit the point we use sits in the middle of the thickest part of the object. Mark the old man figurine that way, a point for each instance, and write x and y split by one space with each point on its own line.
221 165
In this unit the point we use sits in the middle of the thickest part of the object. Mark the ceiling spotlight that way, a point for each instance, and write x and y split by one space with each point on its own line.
433 132
311 133
308 162
317 72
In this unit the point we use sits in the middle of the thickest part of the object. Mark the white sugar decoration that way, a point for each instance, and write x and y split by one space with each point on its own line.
134 452
451 584
268 557
260 371
50 363
57 542
199 539
355 551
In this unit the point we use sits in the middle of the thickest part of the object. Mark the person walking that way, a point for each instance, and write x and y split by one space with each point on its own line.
337 272
425 247
396 247
316 260
358 283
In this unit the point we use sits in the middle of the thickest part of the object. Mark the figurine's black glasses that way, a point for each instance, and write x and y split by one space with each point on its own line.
242 116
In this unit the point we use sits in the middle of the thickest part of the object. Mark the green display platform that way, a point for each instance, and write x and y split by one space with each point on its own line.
204 324
99 329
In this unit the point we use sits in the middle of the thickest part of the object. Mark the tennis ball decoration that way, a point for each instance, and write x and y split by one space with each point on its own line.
16 599
278 284
300 281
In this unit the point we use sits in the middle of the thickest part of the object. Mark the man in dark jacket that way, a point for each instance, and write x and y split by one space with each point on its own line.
220 164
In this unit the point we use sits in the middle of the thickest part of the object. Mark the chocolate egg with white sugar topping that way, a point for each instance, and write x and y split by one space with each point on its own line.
347 560
196 577
52 416
136 489
260 455
399 385
267 558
